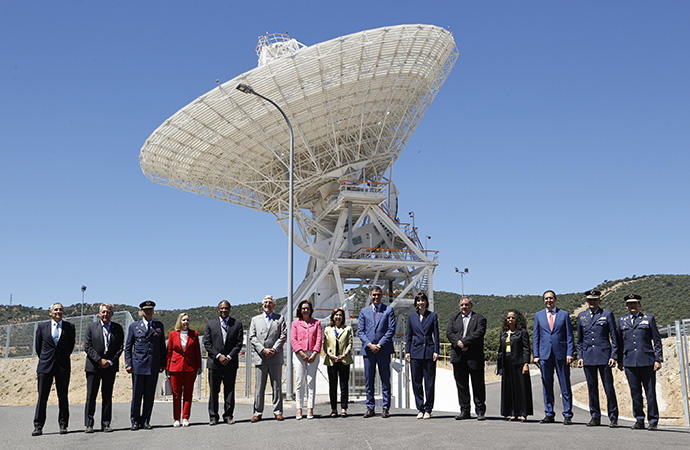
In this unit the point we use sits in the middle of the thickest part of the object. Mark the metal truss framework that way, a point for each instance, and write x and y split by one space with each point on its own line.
354 102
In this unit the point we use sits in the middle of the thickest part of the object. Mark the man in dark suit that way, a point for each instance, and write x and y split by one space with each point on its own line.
597 349
465 332
223 343
145 354
641 355
375 328
553 347
103 345
54 345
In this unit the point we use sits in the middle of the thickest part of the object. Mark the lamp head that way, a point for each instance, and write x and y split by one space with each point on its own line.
83 288
245 88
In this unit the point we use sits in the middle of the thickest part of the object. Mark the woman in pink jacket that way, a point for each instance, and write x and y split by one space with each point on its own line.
305 337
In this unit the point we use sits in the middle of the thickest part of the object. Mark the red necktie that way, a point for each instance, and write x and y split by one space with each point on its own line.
551 320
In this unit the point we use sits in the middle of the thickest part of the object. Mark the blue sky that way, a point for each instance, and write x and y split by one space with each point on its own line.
555 156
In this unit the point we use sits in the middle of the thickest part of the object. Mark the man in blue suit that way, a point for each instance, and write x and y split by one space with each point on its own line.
375 328
597 350
641 355
553 347
54 345
145 354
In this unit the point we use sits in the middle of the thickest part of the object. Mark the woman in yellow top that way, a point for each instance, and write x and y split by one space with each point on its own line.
337 348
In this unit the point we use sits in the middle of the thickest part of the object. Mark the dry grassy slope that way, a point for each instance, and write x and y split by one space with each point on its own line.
604 293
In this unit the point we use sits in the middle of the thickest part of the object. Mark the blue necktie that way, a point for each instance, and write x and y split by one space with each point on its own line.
56 334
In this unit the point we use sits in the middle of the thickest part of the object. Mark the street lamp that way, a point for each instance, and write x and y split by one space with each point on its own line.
462 279
81 318
426 242
245 88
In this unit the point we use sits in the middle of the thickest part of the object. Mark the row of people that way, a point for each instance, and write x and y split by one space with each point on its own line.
633 342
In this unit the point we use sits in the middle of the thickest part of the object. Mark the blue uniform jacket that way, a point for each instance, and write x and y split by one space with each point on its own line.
380 332
640 341
560 341
145 350
597 339
422 336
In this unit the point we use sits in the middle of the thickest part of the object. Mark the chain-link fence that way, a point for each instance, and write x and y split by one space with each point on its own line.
19 339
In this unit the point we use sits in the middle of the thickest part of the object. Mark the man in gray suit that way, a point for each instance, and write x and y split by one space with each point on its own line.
268 333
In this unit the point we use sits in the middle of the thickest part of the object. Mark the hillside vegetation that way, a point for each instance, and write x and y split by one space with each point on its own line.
667 297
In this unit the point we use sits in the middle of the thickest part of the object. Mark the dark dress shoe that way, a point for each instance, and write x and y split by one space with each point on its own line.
229 420
594 422
279 417
255 419
106 429
134 427
481 417
385 414
88 430
653 427
613 423
462 417
37 431
567 421
369 413
547 419
638 426
147 426
63 430
213 422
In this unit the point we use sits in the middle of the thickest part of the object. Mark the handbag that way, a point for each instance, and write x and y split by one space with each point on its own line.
167 386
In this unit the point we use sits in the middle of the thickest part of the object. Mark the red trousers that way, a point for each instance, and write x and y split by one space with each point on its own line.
182 386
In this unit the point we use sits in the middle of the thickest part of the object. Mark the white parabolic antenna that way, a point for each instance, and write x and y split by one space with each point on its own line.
353 102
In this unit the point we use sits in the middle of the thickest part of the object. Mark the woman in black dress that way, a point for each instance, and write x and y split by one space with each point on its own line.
513 364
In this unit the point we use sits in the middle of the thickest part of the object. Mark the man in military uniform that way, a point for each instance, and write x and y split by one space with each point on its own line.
597 349
641 356
145 354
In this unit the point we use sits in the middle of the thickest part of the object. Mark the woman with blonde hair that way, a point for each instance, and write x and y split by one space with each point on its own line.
337 349
183 365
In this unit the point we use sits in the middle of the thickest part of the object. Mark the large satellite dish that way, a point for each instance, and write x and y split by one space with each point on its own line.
354 102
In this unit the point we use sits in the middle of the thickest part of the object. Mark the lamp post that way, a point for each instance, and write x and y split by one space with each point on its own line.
426 242
248 90
81 318
462 279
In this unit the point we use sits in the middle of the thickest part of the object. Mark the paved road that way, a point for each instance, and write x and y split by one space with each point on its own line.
401 430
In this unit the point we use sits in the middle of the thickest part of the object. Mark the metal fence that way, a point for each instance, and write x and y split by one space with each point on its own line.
681 330
18 339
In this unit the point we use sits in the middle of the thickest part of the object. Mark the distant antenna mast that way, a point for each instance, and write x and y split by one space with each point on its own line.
10 299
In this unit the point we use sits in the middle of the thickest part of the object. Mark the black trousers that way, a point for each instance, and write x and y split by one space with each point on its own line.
338 371
227 377
462 374
45 382
638 378
105 378
143 387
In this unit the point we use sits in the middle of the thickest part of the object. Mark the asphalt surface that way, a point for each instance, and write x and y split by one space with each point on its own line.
402 429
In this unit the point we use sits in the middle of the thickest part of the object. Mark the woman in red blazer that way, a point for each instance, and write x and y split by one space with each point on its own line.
183 365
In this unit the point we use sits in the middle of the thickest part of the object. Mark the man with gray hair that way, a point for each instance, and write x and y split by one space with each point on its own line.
103 345
54 345
465 332
268 333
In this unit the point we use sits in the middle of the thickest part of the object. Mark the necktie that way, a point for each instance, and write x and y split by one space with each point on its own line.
56 333
376 314
465 323
551 320
106 335
224 324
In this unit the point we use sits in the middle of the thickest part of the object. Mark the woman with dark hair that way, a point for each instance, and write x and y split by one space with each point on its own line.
422 352
513 364
337 349
183 365
305 337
